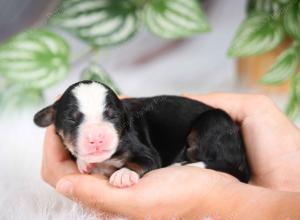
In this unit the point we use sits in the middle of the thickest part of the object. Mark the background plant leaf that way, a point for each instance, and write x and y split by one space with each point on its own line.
284 67
37 59
98 22
293 106
291 19
283 1
174 18
15 96
96 73
258 33
260 5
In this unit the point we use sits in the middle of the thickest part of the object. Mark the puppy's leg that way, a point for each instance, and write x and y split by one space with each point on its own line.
83 167
142 160
215 140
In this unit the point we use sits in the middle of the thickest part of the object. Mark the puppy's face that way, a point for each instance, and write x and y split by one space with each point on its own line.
89 118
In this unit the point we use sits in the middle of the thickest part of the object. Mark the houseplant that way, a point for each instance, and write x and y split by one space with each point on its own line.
39 58
270 27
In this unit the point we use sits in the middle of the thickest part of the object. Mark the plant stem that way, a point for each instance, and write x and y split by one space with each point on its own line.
83 53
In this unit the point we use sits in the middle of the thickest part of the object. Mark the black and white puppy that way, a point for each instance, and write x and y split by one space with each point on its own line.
124 139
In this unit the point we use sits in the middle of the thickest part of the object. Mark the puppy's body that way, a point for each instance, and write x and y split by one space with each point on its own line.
172 129
142 134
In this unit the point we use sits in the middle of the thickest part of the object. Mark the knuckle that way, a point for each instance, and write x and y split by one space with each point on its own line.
260 101
44 174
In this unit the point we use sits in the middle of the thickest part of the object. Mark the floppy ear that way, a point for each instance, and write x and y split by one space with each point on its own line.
45 117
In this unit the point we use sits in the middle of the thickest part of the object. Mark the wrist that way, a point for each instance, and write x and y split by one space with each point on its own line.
243 201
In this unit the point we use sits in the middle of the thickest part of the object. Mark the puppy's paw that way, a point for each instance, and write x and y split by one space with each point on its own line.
124 178
85 168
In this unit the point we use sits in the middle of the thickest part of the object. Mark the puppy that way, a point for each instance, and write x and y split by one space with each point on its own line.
124 139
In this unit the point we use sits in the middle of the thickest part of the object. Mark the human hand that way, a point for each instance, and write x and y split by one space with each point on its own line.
152 191
272 141
182 192
56 162
164 190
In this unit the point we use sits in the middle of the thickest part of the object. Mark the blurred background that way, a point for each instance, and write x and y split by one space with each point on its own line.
139 48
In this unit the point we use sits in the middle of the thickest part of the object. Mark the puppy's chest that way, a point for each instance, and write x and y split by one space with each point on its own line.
108 167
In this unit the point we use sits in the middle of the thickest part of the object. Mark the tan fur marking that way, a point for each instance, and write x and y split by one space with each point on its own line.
108 167
193 142
135 167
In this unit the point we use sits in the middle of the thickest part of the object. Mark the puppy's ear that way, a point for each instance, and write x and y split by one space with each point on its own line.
45 117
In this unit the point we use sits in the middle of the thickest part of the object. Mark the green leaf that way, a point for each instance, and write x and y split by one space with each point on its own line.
174 18
14 97
293 106
283 1
260 5
37 59
257 34
98 22
96 73
291 19
284 67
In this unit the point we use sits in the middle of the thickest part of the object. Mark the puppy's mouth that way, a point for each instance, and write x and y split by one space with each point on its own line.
98 153
96 157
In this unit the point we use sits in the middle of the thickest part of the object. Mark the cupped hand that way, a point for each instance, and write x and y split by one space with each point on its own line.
272 141
56 162
272 145
170 187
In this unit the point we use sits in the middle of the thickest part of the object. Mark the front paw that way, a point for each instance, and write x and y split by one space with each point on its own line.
85 168
124 178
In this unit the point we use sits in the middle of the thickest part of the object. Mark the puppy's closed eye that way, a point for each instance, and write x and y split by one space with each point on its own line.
111 113
73 117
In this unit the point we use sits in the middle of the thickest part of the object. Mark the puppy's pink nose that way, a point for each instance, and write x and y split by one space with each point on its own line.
95 141
94 138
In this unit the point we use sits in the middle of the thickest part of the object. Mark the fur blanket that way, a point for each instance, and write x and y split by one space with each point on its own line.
24 196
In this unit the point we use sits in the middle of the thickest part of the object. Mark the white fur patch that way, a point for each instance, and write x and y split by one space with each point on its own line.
176 164
91 100
198 164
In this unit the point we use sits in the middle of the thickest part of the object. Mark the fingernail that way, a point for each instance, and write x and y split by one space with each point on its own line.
65 187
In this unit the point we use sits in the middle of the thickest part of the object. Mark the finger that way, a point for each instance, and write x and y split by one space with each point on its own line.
236 105
123 97
56 159
54 149
96 193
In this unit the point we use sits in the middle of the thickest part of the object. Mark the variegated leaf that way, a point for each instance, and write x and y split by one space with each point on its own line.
174 18
37 58
291 19
260 5
257 34
98 22
96 73
293 106
284 67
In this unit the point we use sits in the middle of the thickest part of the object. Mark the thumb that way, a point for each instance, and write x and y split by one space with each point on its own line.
96 193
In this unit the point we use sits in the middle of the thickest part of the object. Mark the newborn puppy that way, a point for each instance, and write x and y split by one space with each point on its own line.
124 139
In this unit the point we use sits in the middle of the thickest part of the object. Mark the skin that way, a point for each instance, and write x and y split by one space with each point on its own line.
273 151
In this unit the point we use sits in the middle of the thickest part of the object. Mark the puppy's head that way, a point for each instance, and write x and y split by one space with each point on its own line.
89 118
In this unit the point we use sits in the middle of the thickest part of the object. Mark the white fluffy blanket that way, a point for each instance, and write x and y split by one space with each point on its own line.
23 195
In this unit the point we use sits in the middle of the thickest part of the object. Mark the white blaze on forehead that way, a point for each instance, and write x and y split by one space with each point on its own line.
91 100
